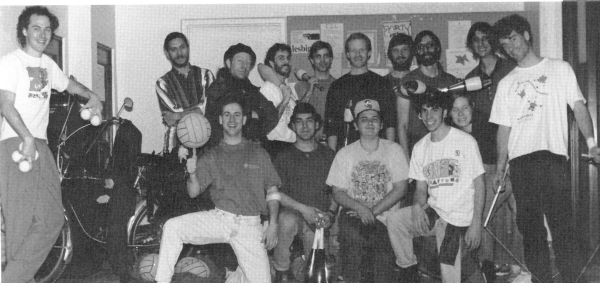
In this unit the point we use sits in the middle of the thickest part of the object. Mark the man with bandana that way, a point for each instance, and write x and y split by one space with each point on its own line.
428 50
182 90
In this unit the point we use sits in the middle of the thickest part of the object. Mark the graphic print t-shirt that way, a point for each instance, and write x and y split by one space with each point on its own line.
31 79
369 177
532 102
449 168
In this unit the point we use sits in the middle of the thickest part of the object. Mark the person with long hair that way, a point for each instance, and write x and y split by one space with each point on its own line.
466 117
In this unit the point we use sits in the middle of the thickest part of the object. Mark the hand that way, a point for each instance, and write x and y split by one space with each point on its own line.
420 220
595 153
170 118
473 237
366 215
191 165
94 104
325 220
311 214
28 150
313 81
270 236
498 180
109 183
286 90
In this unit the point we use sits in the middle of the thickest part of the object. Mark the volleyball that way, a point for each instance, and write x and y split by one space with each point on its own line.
184 262
148 267
193 130
198 268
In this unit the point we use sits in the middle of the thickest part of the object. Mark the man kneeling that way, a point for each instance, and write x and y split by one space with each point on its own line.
446 164
240 172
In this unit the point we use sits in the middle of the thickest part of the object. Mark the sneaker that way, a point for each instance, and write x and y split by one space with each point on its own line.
502 270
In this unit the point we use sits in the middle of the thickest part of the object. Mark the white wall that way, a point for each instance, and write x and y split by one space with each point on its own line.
140 31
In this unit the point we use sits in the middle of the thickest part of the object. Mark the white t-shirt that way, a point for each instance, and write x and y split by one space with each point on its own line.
273 93
369 177
31 79
449 168
532 102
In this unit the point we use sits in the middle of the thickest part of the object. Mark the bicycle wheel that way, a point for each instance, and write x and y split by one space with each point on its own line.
144 237
58 258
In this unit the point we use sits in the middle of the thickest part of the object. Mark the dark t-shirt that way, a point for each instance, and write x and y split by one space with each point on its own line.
303 175
356 88
240 176
484 98
416 130
484 133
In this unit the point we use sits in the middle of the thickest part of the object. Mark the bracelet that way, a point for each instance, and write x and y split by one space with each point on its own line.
274 196
281 84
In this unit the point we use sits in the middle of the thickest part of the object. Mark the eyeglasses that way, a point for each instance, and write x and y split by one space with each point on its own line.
429 46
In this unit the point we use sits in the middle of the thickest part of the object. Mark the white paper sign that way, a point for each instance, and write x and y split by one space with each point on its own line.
460 62
301 40
392 28
333 34
457 33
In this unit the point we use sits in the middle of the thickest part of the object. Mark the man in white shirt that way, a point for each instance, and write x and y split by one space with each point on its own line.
530 108
31 201
283 97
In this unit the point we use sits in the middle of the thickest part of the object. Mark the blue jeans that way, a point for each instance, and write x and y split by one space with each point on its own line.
366 253
290 224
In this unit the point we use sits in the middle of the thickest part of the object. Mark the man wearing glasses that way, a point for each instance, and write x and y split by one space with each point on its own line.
428 50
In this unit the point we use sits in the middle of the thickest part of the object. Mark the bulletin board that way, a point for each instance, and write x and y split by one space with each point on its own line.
451 29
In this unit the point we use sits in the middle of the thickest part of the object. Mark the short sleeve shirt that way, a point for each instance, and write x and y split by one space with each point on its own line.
240 176
449 168
31 80
369 177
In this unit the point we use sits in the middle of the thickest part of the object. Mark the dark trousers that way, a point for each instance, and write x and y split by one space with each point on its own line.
366 253
122 207
32 209
542 186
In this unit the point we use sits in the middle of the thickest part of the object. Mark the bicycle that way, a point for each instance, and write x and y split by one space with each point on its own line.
142 235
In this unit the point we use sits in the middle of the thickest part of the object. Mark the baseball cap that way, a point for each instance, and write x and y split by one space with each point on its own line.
364 105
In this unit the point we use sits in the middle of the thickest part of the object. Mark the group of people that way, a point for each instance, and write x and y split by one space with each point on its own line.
326 152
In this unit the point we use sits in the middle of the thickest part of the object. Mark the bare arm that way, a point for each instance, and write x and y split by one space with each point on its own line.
419 217
270 234
193 185
403 108
310 214
392 198
268 75
584 121
473 235
172 118
12 116
502 147
342 198
94 103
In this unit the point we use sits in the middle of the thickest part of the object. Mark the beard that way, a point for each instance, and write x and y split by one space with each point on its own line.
279 70
322 67
178 65
402 65
428 58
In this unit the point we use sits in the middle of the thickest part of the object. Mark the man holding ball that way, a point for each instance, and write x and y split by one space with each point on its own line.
31 201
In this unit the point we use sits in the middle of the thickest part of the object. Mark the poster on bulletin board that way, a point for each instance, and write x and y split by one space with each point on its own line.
301 40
